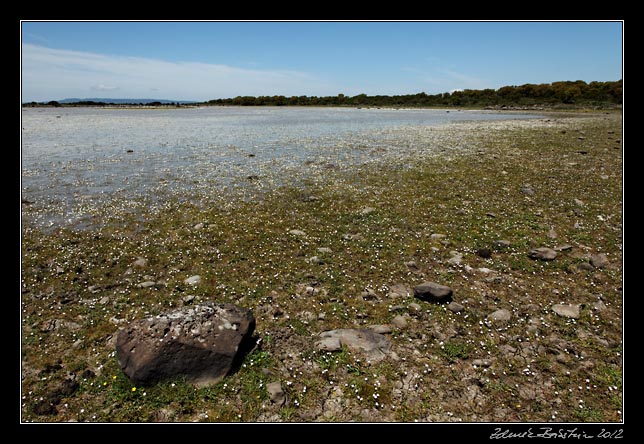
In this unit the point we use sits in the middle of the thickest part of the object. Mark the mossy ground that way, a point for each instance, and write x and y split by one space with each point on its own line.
79 286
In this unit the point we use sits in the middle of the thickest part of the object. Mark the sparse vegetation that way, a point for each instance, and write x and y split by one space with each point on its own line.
80 286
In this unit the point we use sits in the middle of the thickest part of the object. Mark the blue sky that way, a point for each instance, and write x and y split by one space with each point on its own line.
208 60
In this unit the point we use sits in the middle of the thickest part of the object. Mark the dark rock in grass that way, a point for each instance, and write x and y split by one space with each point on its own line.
200 342
433 292
599 260
485 253
543 254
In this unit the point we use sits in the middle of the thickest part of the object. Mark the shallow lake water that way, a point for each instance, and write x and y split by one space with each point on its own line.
75 160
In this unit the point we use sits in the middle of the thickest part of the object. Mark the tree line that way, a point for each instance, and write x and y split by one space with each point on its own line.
571 93
568 94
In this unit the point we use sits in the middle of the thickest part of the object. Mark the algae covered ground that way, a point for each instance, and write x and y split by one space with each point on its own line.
343 248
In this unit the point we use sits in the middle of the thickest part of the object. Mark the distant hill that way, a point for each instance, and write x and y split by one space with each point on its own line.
124 101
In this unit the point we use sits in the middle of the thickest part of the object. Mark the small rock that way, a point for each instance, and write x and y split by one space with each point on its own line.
542 253
455 307
147 284
198 226
193 280
490 214
585 266
367 210
564 247
316 260
482 362
380 328
456 258
368 294
400 321
502 243
276 393
415 307
325 250
399 290
438 236
599 306
485 253
104 300
187 300
552 234
579 203
599 260
501 315
321 316
412 266
527 190
297 232
433 292
140 262
567 310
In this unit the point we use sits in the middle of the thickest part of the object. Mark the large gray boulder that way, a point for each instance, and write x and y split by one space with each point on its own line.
200 342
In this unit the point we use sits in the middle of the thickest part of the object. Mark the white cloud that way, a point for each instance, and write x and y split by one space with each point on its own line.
57 73
101 87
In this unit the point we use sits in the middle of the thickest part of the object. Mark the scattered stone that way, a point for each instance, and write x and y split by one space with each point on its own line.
297 232
485 253
433 292
564 247
485 270
325 250
599 306
146 284
368 294
579 203
502 244
104 300
199 342
489 214
400 321
415 307
193 280
187 300
412 266
129 151
552 234
140 262
400 290
482 362
437 236
455 307
599 260
527 189
380 328
367 210
456 258
316 260
585 266
567 310
276 393
350 236
198 226
542 253
363 340
501 315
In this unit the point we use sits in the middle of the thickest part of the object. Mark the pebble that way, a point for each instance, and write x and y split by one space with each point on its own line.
400 321
367 210
482 362
502 243
140 262
414 307
542 253
276 393
297 232
380 328
198 226
437 236
501 315
599 260
455 307
193 280
433 292
567 310
325 250
146 284
456 258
